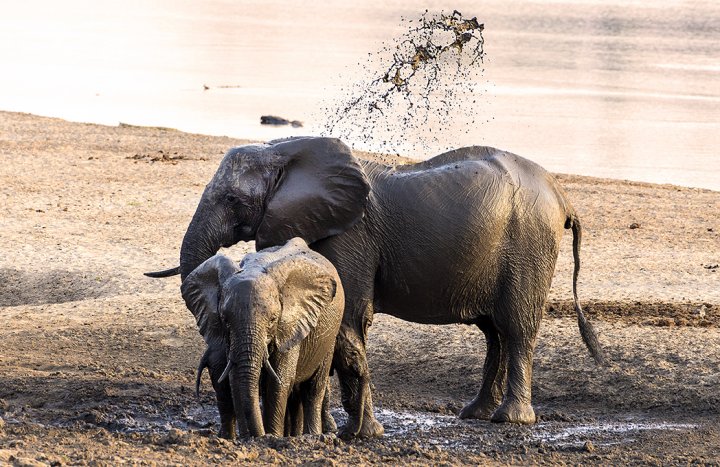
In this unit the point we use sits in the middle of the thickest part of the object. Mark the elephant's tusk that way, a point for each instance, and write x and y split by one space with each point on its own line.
166 273
226 371
269 368
203 364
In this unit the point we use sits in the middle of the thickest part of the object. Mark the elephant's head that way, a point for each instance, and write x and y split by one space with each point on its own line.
303 187
273 301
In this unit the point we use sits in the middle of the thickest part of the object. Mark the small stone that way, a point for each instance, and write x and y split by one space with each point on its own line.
634 225
666 322
588 446
699 312
175 436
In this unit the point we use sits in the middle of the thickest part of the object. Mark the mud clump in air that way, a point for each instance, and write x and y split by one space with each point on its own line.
422 90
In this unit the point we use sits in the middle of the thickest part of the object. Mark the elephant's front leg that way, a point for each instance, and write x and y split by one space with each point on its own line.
216 362
277 392
351 364
357 269
294 416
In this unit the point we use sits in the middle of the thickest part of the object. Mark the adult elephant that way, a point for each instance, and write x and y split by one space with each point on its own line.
470 236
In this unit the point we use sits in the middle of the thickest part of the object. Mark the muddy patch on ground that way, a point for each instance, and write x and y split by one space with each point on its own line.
19 287
118 388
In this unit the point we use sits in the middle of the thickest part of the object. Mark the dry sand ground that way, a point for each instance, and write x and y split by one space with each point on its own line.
97 362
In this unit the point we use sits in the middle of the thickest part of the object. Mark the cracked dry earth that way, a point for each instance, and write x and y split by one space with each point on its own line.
97 362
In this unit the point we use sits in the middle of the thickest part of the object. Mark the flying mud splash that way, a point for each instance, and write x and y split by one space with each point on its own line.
422 90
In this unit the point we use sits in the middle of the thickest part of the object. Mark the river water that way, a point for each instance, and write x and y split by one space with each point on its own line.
620 89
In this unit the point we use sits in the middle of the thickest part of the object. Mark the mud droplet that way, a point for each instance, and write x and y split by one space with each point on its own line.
417 88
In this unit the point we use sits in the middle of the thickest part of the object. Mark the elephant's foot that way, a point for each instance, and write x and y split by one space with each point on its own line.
371 428
227 430
479 410
328 423
514 412
349 431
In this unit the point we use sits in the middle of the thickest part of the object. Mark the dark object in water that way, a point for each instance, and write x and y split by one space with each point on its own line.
273 120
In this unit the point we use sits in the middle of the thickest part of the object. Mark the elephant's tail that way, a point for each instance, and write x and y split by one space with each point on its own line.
586 329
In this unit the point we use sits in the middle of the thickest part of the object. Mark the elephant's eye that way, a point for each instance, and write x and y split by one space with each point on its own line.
231 198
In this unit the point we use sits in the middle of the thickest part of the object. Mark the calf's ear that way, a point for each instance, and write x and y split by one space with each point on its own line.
306 292
201 292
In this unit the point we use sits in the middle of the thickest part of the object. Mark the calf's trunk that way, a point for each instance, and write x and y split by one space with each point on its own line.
245 383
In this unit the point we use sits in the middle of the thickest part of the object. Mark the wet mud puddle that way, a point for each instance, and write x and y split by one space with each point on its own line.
427 429
449 432
143 420
602 433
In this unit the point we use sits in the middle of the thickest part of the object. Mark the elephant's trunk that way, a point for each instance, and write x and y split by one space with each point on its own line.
204 237
248 354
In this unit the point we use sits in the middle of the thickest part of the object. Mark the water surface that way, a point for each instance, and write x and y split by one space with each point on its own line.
625 90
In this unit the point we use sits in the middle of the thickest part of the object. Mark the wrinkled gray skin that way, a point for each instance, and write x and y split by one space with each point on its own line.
276 315
470 236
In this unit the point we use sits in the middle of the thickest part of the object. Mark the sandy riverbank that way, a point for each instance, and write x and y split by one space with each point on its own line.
97 361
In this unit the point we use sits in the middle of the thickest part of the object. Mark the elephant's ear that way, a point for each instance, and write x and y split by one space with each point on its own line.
201 292
306 292
322 192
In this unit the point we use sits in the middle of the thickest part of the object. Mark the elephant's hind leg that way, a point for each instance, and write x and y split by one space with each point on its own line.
328 422
314 392
518 330
490 395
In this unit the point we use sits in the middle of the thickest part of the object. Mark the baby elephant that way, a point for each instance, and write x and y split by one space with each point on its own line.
277 316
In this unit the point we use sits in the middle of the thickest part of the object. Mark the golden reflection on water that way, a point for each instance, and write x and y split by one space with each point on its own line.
613 89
